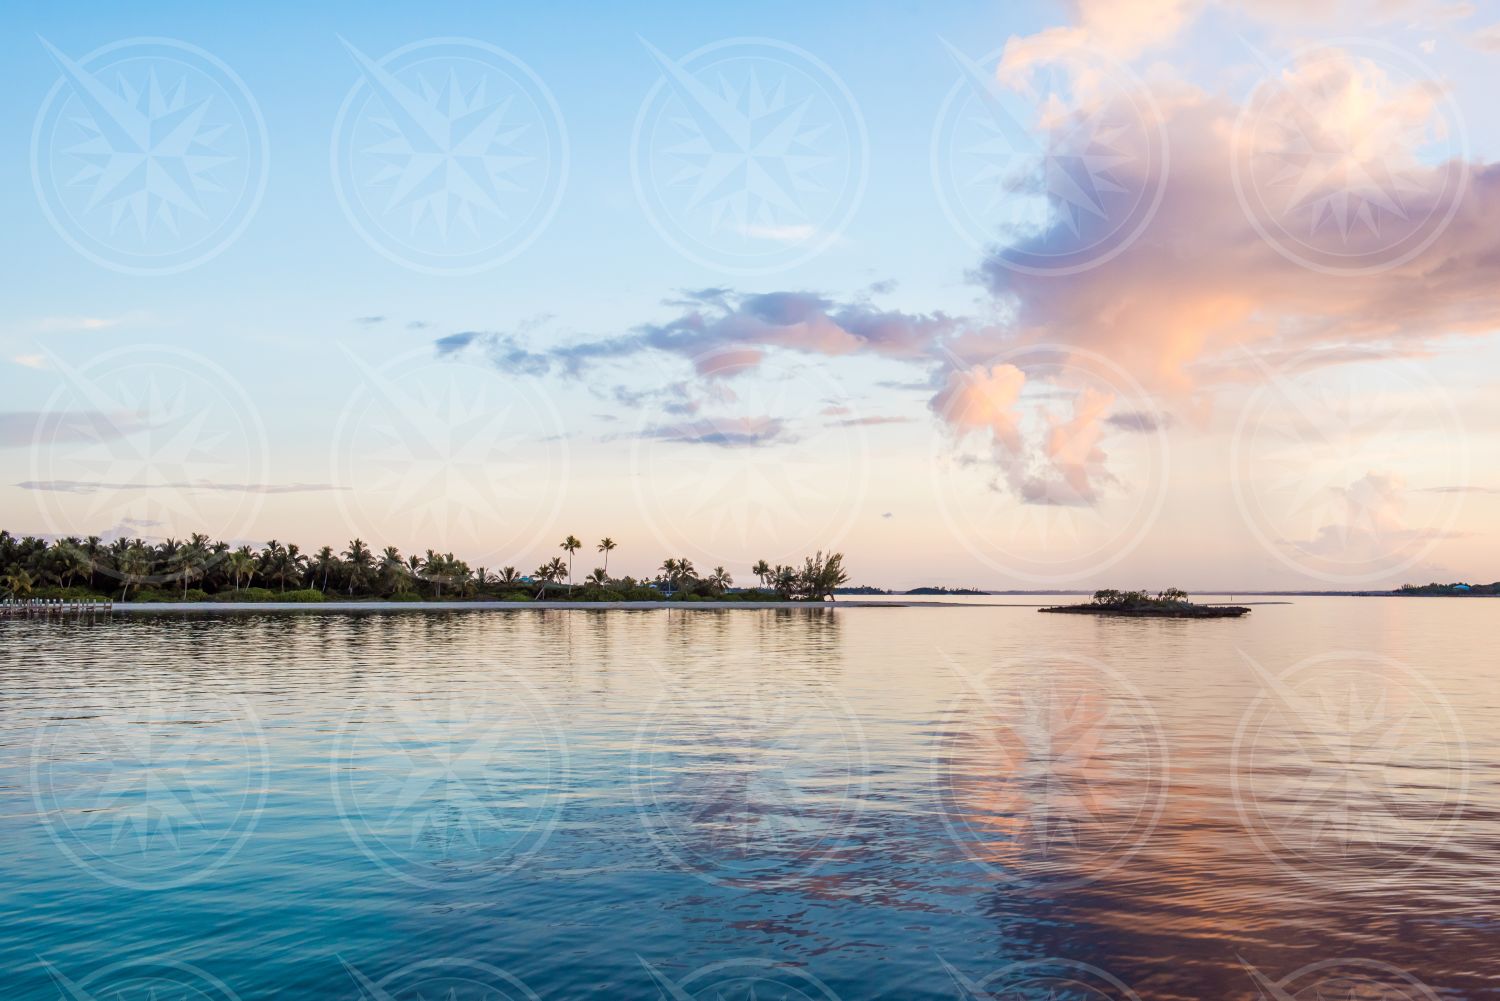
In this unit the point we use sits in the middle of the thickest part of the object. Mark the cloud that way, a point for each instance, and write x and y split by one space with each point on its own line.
30 361
1486 39
21 428
1143 421
1120 29
417 325
369 321
725 432
1202 283
55 324
870 421
96 486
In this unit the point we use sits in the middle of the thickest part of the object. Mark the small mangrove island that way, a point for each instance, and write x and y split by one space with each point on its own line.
1172 603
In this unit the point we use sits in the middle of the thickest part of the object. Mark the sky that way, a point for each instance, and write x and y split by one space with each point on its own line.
1128 293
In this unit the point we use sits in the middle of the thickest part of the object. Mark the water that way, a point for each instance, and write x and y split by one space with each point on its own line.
873 802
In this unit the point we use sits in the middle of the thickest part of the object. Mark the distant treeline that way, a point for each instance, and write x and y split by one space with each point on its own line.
202 569
1457 589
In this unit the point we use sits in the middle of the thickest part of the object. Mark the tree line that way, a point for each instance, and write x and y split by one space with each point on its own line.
200 568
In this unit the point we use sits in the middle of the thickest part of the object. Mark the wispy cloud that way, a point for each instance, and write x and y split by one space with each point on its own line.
724 432
21 428
96 486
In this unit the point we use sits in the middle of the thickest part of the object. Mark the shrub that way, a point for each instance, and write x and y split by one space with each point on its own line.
405 596
516 596
256 594
310 594
151 595
195 594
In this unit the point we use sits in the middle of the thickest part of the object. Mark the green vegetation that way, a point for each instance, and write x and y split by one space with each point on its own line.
201 569
1457 589
1173 603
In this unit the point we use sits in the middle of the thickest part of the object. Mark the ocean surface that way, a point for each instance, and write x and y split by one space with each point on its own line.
925 802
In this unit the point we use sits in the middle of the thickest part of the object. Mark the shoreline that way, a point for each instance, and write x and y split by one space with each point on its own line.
493 606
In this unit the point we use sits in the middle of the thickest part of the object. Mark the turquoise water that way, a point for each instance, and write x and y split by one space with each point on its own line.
882 802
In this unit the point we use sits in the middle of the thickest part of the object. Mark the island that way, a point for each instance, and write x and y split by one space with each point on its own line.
1169 604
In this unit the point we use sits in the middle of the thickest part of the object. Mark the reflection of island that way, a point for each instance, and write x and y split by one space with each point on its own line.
1449 590
1169 604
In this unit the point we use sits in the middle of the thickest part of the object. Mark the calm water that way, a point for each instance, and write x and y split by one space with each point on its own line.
893 803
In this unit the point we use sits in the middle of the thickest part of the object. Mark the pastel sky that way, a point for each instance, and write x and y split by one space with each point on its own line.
1108 293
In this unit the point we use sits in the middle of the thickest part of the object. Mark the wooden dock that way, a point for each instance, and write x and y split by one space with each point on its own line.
54 608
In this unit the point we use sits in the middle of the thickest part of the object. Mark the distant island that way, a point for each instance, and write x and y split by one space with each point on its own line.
1457 590
200 569
937 589
1169 604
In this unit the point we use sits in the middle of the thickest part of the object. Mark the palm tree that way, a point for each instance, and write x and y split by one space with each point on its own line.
324 562
599 577
720 580
361 561
762 570
17 582
606 546
549 573
508 575
669 571
241 562
572 545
